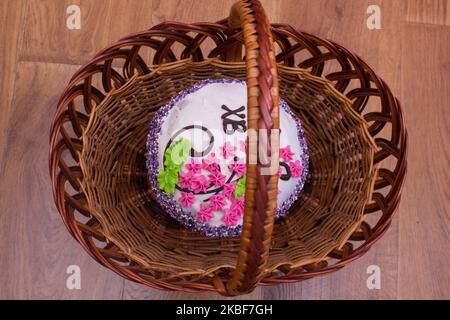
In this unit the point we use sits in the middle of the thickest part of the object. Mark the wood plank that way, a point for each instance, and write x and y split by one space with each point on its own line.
11 15
136 15
424 233
47 38
134 291
35 246
165 10
428 12
133 16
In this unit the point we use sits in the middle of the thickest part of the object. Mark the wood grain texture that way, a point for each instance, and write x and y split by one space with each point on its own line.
39 247
428 11
39 54
424 231
47 39
11 13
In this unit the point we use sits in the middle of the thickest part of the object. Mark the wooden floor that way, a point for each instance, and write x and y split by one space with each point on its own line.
38 54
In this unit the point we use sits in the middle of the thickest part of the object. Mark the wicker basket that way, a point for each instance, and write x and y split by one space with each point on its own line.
97 155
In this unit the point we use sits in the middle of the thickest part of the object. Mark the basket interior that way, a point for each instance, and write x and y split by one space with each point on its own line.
115 177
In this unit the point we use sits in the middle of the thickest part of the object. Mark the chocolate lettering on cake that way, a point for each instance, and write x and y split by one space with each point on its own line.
230 122
285 176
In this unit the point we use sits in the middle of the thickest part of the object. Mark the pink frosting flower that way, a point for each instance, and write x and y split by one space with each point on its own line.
228 189
296 168
243 145
187 199
199 183
211 162
230 218
286 153
218 201
193 166
228 150
205 213
184 180
217 178
239 167
238 206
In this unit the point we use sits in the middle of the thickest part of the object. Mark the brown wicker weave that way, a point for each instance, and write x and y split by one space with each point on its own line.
98 149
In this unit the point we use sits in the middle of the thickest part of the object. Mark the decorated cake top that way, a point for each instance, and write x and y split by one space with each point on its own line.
197 157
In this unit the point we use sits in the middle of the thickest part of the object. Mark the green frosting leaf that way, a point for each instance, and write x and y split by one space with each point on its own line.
169 164
174 158
167 180
240 187
176 154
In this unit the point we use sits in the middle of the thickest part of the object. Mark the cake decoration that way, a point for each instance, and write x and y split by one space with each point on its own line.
197 157
173 160
187 199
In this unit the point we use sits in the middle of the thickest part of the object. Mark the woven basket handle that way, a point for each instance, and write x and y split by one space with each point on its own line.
263 134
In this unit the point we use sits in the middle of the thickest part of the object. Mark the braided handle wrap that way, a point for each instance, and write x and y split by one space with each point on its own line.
263 145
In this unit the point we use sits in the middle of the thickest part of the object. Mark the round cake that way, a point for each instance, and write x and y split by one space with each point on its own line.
197 157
